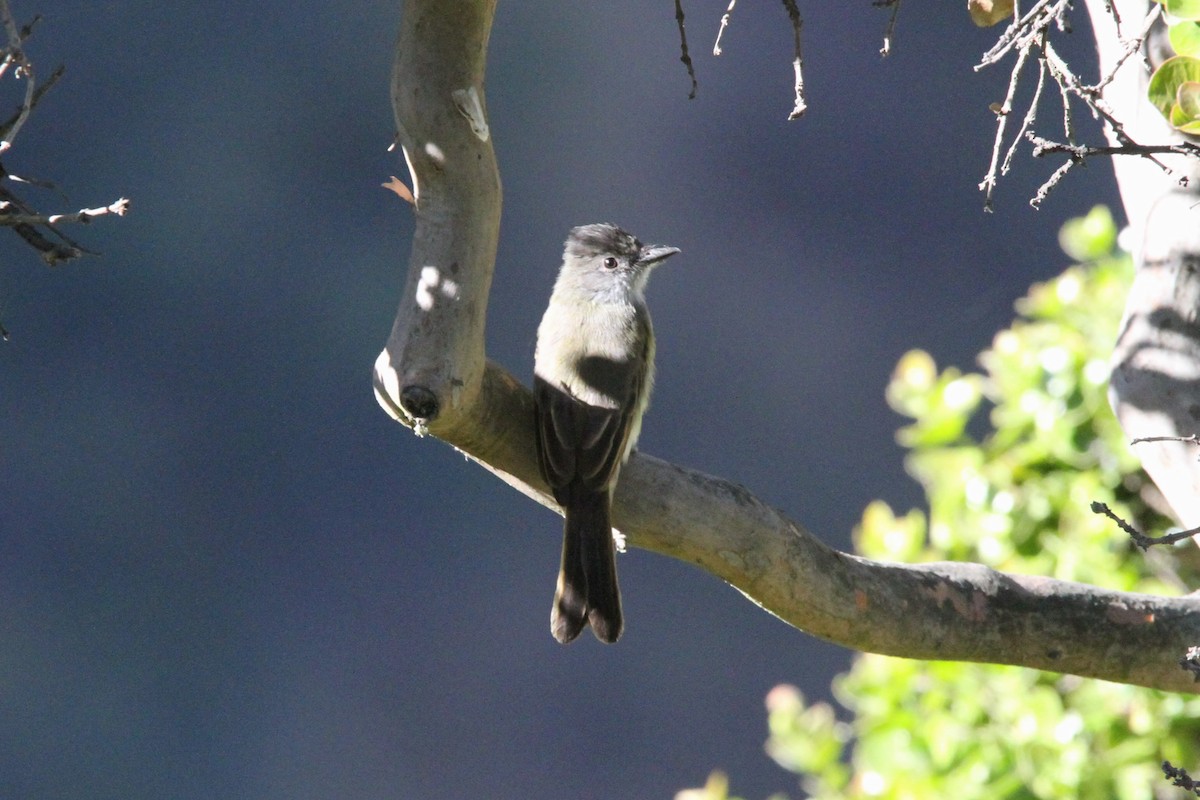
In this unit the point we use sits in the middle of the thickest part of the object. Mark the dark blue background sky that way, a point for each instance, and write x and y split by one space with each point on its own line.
225 573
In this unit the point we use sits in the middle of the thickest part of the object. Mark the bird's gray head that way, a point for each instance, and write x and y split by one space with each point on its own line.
609 263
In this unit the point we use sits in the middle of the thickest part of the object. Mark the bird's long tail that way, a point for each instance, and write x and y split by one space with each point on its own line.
587 581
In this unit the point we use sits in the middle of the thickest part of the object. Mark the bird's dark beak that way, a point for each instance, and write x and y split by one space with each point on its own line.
654 253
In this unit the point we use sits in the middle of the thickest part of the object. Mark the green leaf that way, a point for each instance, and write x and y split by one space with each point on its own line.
1185 38
1170 75
1090 237
883 535
1192 127
1185 114
1184 9
1188 98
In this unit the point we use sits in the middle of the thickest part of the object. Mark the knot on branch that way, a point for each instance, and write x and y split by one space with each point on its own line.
419 403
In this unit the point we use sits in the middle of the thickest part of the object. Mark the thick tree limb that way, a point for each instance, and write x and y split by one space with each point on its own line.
930 611
433 362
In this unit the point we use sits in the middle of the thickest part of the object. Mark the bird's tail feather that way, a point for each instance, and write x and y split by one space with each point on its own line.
587 590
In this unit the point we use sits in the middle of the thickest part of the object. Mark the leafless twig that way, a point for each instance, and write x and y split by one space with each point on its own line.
1048 186
1023 30
6 127
1133 44
1043 147
1002 113
14 55
684 57
1030 116
1193 439
890 30
1179 777
797 62
83 215
793 11
724 24
1140 539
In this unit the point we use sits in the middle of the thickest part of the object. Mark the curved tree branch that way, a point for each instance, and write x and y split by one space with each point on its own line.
433 362
931 611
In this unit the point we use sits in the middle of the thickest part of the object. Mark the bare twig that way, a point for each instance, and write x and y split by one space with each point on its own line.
890 30
1043 147
83 215
684 57
1090 95
1132 45
1018 33
1140 539
1193 439
1111 7
988 185
1068 118
798 62
1044 190
40 231
1030 117
1179 777
14 55
724 24
38 93
1069 83
52 253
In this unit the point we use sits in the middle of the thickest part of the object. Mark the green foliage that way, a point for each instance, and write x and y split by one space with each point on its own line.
1017 499
1090 237
1175 86
1185 38
1173 90
1183 9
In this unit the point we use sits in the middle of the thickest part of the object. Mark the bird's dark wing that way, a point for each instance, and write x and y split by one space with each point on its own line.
579 443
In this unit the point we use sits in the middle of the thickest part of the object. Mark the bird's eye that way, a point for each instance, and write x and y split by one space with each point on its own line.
610 263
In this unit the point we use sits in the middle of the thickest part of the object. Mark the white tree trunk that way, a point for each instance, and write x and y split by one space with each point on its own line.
1155 385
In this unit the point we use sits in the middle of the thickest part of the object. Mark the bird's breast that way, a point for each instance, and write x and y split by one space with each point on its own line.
595 352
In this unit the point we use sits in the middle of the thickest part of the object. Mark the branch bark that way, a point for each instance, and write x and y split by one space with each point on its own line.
431 369
434 361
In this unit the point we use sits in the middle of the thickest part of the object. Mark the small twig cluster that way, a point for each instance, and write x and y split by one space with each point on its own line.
39 230
1028 36
793 11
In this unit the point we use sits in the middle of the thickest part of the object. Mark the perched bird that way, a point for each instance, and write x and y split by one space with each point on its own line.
593 372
